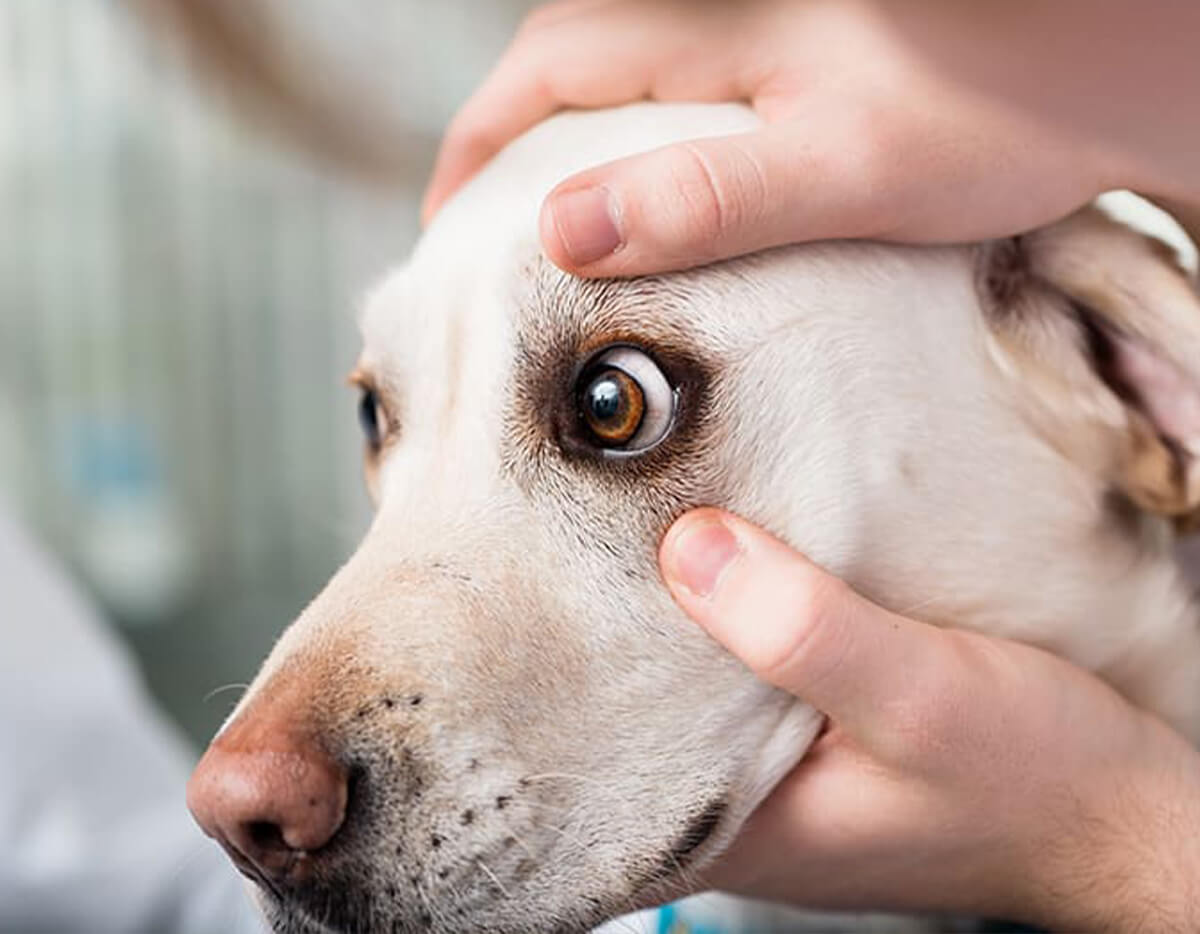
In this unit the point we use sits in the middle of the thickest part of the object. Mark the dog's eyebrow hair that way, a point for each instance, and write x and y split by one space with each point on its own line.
562 321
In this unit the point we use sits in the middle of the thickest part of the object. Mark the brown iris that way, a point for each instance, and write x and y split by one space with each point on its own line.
612 405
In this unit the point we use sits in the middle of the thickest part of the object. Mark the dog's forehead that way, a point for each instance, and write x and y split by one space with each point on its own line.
498 208
474 267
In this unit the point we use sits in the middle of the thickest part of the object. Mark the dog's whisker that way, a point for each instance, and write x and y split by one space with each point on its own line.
521 842
631 909
491 875
236 686
570 838
430 907
920 605
524 844
685 875
627 925
572 776
185 862
547 806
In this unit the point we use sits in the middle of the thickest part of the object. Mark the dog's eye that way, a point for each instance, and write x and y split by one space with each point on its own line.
625 403
372 418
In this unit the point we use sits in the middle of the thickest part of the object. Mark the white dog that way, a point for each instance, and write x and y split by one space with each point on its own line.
495 719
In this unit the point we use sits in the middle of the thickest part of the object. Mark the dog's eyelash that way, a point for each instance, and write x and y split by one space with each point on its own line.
372 418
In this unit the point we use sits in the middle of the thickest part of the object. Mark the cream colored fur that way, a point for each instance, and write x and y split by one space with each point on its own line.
951 458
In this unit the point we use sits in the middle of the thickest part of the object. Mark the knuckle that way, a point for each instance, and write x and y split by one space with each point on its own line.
709 211
723 188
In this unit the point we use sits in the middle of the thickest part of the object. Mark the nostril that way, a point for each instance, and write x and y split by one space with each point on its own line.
266 836
272 805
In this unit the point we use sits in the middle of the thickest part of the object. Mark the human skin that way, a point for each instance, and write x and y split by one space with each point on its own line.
959 773
1115 70
865 136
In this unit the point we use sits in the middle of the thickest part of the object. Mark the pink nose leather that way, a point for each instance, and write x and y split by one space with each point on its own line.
269 794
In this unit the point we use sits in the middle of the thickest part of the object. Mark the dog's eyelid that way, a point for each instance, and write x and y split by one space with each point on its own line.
361 378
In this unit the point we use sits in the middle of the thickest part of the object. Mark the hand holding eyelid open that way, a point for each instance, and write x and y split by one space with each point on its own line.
934 732
792 623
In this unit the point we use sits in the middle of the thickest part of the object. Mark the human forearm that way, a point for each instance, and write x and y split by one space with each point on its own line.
1121 71
1129 858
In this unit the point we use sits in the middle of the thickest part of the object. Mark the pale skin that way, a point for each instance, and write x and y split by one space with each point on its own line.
959 773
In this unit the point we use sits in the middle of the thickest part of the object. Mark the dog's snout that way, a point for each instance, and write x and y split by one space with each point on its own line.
270 795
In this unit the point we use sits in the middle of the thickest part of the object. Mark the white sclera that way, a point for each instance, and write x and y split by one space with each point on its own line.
657 392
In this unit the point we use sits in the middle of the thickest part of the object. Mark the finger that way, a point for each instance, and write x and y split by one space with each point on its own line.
798 627
603 56
696 202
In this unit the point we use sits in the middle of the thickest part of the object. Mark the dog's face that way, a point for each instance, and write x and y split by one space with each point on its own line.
494 717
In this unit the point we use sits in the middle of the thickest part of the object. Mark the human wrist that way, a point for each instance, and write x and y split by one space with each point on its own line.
1124 853
1159 856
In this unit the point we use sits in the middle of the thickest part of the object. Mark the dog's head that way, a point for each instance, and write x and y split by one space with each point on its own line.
494 717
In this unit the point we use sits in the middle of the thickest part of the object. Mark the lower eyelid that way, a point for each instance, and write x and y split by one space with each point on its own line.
656 425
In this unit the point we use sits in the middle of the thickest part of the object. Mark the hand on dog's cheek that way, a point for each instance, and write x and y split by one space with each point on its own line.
959 773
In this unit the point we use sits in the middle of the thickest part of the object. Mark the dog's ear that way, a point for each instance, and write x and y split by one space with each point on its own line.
1100 326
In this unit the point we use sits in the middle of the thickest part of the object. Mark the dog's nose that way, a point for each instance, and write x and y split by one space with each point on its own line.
270 795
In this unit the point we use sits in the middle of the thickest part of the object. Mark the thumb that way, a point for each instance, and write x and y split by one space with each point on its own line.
699 201
796 626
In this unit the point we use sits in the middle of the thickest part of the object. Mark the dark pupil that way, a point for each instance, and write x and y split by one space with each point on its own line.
368 417
604 398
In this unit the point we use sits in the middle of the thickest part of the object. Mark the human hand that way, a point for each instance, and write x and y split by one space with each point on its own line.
959 773
859 139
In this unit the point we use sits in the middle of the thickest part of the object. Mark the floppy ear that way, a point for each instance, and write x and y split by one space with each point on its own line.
1101 327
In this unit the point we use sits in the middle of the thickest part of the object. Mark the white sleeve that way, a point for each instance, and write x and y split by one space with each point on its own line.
94 834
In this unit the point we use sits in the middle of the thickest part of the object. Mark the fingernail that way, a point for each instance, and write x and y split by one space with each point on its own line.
698 555
587 224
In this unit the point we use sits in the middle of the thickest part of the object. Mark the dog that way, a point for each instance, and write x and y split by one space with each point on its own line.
494 718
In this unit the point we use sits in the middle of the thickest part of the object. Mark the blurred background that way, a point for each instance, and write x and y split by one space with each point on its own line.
177 300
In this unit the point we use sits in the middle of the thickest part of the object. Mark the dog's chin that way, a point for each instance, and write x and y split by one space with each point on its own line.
351 896
350 908
344 910
318 911
284 917
347 912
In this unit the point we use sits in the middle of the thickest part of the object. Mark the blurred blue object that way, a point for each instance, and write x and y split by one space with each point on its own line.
131 539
